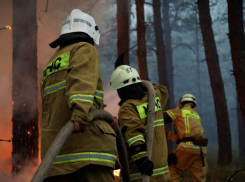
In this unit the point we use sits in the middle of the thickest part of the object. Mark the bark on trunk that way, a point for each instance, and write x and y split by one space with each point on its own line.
198 62
160 48
224 135
168 52
24 89
163 64
237 42
241 132
123 22
141 40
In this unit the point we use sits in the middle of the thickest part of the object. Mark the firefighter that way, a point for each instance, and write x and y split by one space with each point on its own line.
72 86
190 152
133 123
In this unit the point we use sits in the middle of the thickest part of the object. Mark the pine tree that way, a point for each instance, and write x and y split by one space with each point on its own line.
212 59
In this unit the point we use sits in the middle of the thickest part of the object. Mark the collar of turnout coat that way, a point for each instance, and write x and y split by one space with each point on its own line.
134 91
71 38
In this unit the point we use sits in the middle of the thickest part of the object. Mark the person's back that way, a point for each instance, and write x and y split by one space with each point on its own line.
191 150
71 87
133 124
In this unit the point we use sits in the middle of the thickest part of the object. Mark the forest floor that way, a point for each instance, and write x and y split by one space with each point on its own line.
217 173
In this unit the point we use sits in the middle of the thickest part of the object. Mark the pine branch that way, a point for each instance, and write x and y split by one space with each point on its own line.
185 45
177 11
92 7
1 140
103 34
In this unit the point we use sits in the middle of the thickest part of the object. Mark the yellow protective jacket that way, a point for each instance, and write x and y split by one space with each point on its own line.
133 123
71 87
187 123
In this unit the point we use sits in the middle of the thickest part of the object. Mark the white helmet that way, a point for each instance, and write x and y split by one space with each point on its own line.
188 98
79 21
123 76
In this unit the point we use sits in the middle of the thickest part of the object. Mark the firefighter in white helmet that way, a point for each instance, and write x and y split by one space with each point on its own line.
190 152
133 120
71 87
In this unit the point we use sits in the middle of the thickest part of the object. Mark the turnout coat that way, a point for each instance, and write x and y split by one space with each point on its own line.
133 124
72 86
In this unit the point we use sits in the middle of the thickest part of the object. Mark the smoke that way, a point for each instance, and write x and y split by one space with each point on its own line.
25 175
111 100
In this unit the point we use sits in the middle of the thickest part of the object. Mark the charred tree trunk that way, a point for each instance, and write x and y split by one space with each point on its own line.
241 132
123 22
237 42
224 134
168 52
24 89
141 40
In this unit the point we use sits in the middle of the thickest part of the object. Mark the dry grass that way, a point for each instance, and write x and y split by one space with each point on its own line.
218 173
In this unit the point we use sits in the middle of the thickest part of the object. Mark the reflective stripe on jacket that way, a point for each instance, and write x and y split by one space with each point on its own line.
133 124
187 123
71 86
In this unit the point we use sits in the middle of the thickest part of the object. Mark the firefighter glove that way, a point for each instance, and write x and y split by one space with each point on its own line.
145 166
172 159
139 155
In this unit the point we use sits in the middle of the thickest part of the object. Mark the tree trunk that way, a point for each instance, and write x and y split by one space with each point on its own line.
123 22
224 135
162 61
237 42
160 48
141 40
169 53
198 62
241 132
24 89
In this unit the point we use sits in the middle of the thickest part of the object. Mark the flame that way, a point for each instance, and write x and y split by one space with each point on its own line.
116 173
8 27
29 133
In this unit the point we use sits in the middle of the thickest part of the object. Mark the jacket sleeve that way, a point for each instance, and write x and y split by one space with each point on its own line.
163 94
172 114
81 81
133 131
171 135
131 126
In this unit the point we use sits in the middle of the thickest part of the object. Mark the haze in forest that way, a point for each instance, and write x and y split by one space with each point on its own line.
185 72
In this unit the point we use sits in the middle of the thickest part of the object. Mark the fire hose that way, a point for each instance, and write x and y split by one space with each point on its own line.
63 135
150 122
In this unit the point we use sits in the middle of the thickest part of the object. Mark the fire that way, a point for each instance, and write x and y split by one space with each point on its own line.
29 133
8 27
117 173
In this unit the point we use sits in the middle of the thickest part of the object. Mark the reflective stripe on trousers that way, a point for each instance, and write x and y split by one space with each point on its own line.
156 172
85 156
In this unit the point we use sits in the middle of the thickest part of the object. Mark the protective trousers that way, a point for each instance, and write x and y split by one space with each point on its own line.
188 160
90 173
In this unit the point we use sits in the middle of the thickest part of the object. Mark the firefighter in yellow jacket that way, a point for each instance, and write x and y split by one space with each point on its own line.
133 123
191 150
72 86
